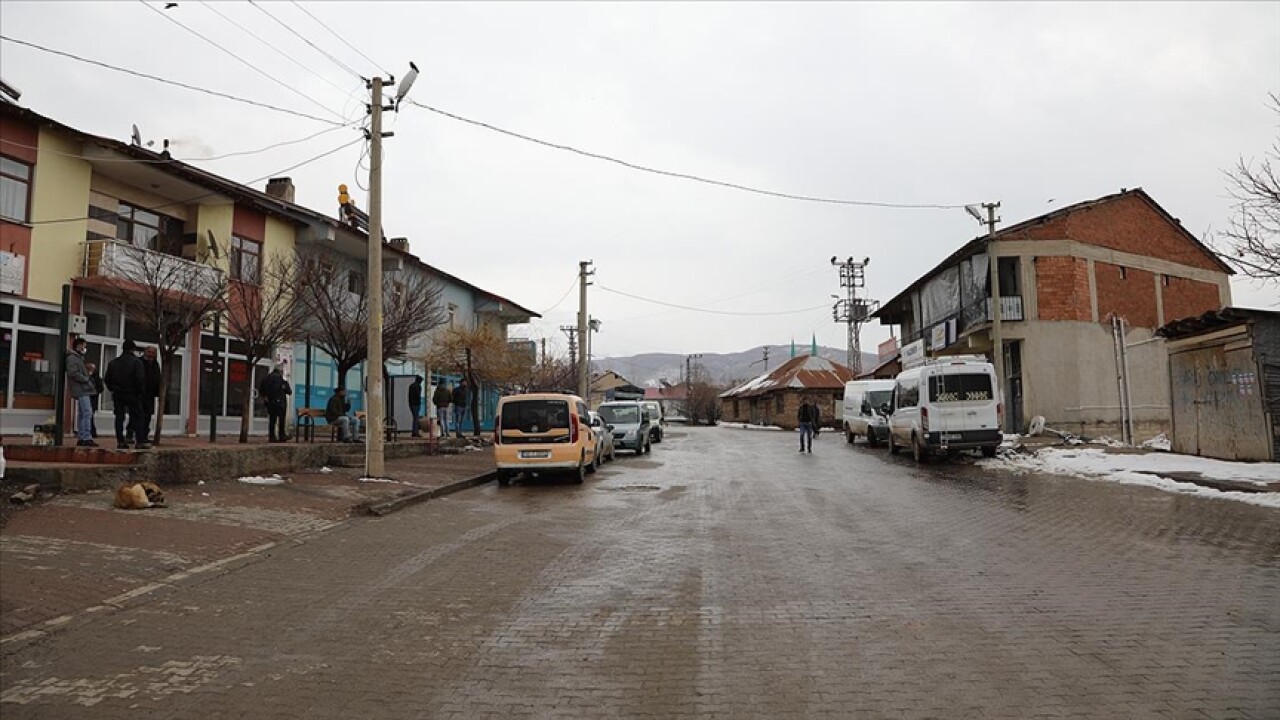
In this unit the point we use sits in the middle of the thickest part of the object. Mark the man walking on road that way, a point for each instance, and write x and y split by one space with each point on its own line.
808 417
82 392
275 392
442 397
127 380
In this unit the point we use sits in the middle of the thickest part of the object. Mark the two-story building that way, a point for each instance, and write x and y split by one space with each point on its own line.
1063 278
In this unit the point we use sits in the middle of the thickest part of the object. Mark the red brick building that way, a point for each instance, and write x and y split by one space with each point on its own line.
774 398
1063 277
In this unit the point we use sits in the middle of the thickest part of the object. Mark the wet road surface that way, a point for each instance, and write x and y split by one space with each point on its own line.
725 575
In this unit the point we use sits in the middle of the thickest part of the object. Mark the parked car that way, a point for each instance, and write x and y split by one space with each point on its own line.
658 424
946 405
631 423
862 414
605 449
543 433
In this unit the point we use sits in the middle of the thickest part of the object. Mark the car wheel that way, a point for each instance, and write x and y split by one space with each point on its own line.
580 475
893 446
989 451
648 448
504 478
917 450
848 435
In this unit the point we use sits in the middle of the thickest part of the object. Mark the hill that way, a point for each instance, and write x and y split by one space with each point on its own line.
647 369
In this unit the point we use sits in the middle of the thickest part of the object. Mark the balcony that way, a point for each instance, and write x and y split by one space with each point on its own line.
110 262
979 312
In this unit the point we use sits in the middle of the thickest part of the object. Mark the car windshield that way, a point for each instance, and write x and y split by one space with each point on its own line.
960 388
876 398
620 414
533 416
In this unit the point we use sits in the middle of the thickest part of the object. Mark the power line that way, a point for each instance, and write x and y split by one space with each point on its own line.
175 83
572 285
166 161
299 35
241 60
201 196
344 40
275 49
682 176
713 312
754 290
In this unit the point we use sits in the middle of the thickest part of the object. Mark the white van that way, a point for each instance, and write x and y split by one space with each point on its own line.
946 405
863 415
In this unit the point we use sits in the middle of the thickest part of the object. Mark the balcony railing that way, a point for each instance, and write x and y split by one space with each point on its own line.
120 261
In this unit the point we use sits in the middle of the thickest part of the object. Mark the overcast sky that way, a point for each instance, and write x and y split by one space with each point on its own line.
1033 105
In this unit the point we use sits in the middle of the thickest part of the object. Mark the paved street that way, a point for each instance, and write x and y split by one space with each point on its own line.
725 575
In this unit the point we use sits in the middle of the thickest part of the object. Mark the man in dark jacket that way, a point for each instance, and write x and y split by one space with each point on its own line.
275 392
415 403
335 413
151 366
807 416
461 403
126 379
442 397
82 392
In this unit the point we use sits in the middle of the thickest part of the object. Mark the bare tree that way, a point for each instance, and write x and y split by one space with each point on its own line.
480 355
1253 238
336 301
166 294
703 403
264 312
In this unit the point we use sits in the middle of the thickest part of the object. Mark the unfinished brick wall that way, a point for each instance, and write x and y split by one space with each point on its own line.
1126 292
1189 298
1062 288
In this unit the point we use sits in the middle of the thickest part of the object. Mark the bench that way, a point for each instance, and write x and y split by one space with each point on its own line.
308 418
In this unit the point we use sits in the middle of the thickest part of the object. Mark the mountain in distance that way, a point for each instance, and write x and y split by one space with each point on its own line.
649 369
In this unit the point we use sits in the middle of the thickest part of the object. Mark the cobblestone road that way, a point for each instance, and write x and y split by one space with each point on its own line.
725 576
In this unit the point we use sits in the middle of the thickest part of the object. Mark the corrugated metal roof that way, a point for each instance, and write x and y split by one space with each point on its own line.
1214 320
806 372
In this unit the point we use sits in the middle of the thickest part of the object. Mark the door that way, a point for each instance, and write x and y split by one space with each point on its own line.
1217 404
1013 386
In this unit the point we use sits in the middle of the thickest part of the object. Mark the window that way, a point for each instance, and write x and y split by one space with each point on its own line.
451 315
15 189
148 230
960 388
1164 280
246 259
355 283
1123 273
907 393
781 404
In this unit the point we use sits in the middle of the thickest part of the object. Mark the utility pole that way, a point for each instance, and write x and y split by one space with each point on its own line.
583 274
572 332
852 310
373 464
997 310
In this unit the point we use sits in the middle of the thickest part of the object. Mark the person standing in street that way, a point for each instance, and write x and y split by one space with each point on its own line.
99 388
461 396
82 392
442 397
275 392
415 403
151 366
807 416
127 380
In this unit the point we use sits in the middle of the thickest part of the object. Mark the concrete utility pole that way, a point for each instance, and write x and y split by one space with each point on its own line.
851 310
583 329
373 464
997 311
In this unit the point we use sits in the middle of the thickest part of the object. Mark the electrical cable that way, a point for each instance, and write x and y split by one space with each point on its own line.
275 49
299 35
165 161
344 40
241 60
713 312
756 289
175 83
679 175
201 196
562 297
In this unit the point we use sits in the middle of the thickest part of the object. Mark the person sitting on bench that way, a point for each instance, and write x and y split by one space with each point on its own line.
335 413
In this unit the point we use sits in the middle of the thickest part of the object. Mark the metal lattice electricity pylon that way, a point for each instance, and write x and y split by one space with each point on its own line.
853 310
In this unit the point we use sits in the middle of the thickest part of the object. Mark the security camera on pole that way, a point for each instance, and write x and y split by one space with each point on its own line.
374 407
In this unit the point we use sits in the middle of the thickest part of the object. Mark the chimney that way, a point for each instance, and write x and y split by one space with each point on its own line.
399 243
281 187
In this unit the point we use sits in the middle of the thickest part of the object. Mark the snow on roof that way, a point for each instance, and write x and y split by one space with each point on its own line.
807 372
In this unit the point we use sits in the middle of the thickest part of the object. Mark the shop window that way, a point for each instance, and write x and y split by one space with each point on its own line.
33 373
211 386
38 318
173 398
15 190
6 349
102 318
6 312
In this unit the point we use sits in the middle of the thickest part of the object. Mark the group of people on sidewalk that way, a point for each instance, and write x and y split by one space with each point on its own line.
450 400
133 379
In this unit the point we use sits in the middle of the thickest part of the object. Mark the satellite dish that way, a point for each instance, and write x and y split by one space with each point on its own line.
213 246
137 136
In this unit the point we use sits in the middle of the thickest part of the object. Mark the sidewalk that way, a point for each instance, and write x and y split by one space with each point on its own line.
76 555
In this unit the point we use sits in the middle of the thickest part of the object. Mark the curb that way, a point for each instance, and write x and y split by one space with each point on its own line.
386 507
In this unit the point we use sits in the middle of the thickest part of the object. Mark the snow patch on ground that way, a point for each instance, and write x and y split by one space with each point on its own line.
747 426
379 480
1135 469
1159 442
326 470
259 480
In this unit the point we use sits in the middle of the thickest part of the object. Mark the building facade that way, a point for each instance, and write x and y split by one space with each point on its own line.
774 398
1064 278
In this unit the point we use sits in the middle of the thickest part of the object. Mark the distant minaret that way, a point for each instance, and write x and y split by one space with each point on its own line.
793 347
813 345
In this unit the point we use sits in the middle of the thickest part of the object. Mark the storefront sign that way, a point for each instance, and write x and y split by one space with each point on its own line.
13 268
913 354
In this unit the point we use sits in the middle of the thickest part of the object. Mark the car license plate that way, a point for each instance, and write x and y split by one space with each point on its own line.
952 436
535 454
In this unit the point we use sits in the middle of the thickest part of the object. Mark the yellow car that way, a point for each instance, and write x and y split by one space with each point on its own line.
542 433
